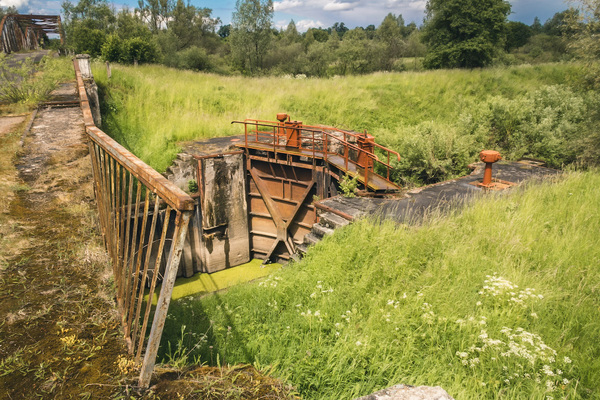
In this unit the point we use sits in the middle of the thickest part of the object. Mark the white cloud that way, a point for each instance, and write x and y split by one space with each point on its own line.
403 5
14 3
286 5
306 24
44 7
302 25
351 12
336 6
417 5
281 24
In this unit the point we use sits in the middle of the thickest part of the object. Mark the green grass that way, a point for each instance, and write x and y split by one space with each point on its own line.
27 84
380 304
150 109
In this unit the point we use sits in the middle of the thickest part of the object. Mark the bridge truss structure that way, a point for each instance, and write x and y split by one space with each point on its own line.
24 32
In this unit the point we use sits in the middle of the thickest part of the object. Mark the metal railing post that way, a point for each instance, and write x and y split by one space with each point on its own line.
117 173
164 299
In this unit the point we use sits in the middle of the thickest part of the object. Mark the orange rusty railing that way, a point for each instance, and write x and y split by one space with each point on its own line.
144 220
321 142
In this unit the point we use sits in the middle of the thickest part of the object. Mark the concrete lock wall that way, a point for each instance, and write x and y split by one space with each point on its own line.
222 223
218 235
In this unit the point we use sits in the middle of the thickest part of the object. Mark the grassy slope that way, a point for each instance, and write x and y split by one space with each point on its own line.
400 304
154 107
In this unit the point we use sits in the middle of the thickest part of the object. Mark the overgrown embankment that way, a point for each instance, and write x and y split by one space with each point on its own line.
24 83
499 300
439 121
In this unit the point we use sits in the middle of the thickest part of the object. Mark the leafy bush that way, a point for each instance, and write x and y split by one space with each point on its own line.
112 49
551 124
433 152
194 58
87 40
139 49
348 186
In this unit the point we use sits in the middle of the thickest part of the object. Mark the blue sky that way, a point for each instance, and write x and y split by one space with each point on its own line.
323 13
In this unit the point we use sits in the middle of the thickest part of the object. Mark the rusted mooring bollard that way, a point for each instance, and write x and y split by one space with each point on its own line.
488 157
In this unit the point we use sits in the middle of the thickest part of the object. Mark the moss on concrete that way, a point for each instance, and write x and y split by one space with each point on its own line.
201 284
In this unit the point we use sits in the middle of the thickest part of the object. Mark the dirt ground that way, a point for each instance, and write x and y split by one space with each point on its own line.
60 336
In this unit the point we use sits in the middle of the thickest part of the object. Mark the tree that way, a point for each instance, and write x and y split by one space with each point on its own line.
130 25
190 24
517 35
94 14
320 35
355 53
87 24
390 35
156 13
251 33
584 28
559 25
340 28
536 27
224 31
291 34
464 33
8 10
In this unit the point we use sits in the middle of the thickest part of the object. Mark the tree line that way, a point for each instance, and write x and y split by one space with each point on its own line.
454 34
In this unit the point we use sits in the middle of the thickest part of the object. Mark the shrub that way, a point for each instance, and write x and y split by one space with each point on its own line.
551 124
139 49
87 40
194 58
112 49
433 152
348 186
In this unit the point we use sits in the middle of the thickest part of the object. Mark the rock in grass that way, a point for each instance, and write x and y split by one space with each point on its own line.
406 392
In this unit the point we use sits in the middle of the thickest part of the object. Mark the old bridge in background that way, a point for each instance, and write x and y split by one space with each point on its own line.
25 32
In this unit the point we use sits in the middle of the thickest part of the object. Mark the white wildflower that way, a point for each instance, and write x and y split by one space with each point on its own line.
473 362
547 370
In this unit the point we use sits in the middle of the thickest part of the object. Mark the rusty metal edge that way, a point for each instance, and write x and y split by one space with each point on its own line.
1 30
172 194
333 211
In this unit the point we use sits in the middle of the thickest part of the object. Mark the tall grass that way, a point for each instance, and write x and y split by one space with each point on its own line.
27 83
499 301
151 108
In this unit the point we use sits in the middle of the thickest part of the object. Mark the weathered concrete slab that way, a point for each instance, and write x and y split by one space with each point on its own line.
210 146
405 392
53 131
441 196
